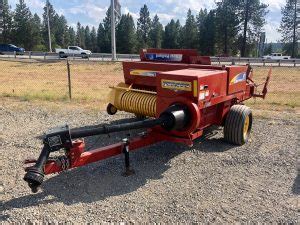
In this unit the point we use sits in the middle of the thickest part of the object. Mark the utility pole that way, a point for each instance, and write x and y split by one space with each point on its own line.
113 31
294 34
49 31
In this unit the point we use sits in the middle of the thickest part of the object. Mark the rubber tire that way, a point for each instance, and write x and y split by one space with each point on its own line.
234 124
111 109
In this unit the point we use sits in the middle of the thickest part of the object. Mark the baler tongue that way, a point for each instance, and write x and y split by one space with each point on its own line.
175 117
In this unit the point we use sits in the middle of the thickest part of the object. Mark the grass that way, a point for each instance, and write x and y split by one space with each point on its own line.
90 81
49 81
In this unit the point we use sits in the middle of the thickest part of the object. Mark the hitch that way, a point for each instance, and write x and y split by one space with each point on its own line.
54 140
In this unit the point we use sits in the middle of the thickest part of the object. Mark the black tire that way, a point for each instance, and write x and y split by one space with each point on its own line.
238 125
62 55
111 109
84 55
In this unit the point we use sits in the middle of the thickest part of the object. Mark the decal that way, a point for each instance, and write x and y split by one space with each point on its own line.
145 73
202 95
164 57
176 85
207 93
239 78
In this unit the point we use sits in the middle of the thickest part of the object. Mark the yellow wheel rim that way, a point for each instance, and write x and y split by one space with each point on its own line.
246 127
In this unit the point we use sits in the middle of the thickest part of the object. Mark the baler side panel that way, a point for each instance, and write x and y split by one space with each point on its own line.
236 79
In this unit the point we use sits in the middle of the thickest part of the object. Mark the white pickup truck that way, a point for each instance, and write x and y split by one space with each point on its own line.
276 56
73 50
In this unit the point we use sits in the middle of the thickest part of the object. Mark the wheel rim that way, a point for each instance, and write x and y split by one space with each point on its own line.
246 127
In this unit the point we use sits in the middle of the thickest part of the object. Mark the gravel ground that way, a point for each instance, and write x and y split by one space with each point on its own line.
210 182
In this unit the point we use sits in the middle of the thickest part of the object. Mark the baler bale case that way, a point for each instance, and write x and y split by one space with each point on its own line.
177 93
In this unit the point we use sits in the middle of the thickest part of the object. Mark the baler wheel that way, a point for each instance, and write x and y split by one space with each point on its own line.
238 125
111 109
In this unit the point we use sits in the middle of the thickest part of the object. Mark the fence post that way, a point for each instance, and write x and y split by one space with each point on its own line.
279 62
69 80
15 54
45 55
264 62
29 55
294 62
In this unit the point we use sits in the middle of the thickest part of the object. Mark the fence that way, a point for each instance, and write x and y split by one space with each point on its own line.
89 81
134 57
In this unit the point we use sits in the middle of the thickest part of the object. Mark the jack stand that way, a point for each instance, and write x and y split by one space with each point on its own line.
128 170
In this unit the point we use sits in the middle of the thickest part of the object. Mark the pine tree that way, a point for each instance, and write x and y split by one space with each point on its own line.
80 36
288 28
23 25
227 28
172 35
72 36
101 39
87 38
126 35
36 33
207 32
156 33
143 27
189 32
106 33
201 19
252 19
7 15
60 31
93 44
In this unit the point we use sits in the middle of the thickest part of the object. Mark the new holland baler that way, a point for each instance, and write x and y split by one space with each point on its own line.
175 93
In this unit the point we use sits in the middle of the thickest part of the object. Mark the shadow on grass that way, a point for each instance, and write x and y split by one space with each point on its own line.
98 181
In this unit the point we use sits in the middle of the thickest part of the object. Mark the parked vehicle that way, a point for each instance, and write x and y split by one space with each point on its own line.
73 50
276 56
11 48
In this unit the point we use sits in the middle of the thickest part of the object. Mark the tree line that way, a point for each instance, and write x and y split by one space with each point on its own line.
232 28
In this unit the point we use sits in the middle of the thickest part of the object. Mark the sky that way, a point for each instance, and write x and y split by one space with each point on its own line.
92 12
